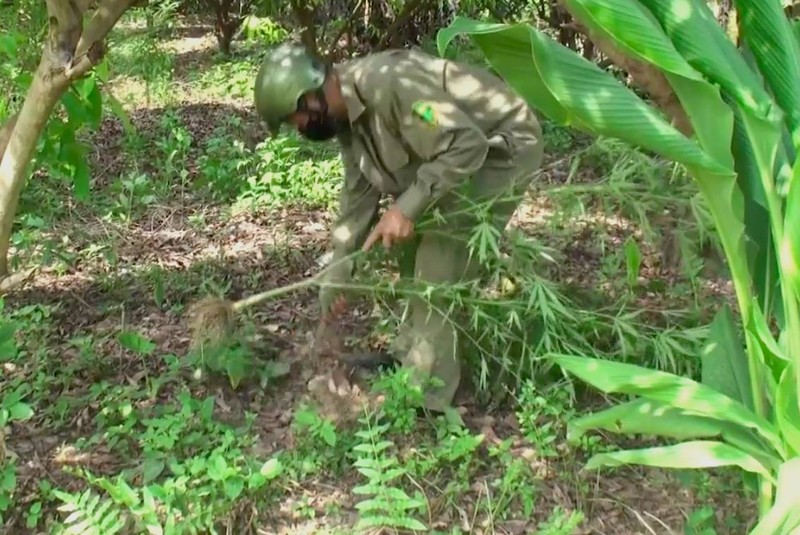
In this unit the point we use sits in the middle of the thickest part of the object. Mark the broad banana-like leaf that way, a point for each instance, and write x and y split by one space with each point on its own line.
787 412
783 518
790 248
673 390
647 417
760 245
635 31
586 95
653 418
768 34
694 454
593 98
724 362
702 42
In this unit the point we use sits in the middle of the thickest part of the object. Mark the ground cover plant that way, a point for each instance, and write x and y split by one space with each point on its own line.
152 185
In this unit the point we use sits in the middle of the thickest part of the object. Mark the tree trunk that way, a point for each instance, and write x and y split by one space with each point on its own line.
305 18
5 133
226 23
42 97
68 53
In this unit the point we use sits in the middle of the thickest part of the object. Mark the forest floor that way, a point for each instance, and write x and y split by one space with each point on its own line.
194 201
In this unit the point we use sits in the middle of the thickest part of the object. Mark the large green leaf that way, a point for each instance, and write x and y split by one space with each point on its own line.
726 204
653 418
595 99
667 388
724 362
783 518
694 454
647 417
702 42
790 250
787 412
768 34
760 247
590 96
697 36
637 33
510 48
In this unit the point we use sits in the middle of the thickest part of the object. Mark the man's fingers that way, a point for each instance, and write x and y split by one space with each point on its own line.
371 239
387 241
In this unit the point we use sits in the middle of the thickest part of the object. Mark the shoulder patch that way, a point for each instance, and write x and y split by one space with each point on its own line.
426 112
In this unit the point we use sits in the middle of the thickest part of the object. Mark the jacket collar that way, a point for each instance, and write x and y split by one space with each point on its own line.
347 73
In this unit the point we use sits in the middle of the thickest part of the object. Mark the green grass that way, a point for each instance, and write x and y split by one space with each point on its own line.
196 201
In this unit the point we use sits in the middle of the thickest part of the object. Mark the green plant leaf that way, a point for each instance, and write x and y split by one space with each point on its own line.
695 454
81 179
271 469
676 391
787 412
634 30
790 248
119 110
633 261
572 90
234 487
783 518
768 35
8 45
236 368
759 328
724 361
508 47
759 245
152 467
20 411
694 31
136 342
646 417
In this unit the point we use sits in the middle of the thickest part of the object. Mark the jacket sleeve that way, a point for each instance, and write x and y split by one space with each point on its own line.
358 207
451 145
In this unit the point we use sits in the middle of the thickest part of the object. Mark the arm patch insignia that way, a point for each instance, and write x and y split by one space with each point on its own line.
425 111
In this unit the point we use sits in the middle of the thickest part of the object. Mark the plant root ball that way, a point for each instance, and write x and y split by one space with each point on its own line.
212 322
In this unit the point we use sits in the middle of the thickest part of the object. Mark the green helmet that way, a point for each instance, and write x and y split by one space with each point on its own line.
287 72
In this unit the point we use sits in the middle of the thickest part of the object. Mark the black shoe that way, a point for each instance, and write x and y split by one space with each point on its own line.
374 360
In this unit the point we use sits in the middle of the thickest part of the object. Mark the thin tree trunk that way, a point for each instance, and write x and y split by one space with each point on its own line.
68 54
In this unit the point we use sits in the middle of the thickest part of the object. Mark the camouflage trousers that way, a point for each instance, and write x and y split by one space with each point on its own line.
428 339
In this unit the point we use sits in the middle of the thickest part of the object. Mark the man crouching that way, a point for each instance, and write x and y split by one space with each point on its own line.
428 131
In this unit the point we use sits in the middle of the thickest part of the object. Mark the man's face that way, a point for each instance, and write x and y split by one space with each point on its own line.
312 120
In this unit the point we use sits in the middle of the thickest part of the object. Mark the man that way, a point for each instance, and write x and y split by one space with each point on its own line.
432 133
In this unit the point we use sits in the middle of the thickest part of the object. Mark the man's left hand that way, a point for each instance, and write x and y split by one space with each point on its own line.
393 227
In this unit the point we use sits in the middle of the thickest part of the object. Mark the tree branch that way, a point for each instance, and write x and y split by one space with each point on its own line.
305 16
347 24
66 25
408 11
105 17
84 5
90 48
